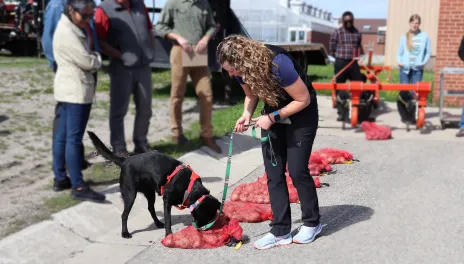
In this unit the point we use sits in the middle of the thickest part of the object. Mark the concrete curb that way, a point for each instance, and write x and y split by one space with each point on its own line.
81 233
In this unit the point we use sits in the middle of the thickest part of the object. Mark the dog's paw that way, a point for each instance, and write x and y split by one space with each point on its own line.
126 235
159 224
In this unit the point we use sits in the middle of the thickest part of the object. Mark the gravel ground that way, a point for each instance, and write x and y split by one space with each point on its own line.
26 116
390 207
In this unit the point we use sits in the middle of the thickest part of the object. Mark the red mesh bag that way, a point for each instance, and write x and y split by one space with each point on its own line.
217 236
335 156
248 212
375 132
256 192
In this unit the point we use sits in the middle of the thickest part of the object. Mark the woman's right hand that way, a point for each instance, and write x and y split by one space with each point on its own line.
241 122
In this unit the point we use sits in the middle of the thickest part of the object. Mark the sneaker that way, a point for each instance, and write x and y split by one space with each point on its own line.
87 194
460 133
307 234
269 241
59 186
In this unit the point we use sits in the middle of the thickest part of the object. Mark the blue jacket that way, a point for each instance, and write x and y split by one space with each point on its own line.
52 15
423 57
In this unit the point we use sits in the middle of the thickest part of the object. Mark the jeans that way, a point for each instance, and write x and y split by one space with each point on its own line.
291 143
412 77
67 142
461 125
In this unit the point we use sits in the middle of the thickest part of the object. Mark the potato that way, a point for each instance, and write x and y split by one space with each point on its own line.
235 196
183 242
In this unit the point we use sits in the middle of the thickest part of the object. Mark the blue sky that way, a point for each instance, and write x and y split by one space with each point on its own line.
360 8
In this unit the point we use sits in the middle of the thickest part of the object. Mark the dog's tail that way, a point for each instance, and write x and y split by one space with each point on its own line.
103 150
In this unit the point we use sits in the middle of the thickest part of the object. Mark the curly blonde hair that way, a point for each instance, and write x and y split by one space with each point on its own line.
254 61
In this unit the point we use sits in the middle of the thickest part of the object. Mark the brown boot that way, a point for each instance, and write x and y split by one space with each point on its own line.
180 140
210 143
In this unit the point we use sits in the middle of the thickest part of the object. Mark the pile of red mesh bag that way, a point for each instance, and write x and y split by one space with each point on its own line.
250 203
334 156
375 132
247 212
218 235
257 192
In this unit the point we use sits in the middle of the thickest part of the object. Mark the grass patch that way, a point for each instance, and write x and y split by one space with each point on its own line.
223 122
60 202
15 62
322 74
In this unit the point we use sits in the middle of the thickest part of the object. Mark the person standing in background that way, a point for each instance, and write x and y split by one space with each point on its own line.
189 23
344 45
413 54
52 15
125 34
74 89
461 125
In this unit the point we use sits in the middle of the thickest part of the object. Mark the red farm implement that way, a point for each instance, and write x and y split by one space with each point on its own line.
355 88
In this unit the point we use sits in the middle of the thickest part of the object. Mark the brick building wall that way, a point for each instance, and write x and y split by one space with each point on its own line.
450 33
370 41
319 37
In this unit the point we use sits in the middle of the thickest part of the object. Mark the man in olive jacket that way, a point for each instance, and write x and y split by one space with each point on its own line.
190 25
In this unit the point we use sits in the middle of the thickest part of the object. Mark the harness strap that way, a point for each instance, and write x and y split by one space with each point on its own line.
169 179
193 178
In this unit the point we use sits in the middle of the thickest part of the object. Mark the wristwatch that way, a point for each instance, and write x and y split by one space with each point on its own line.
276 116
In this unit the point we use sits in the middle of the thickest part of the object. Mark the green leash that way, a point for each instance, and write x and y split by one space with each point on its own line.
265 139
224 192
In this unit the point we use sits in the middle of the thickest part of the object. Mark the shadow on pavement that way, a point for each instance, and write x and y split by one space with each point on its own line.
175 219
336 217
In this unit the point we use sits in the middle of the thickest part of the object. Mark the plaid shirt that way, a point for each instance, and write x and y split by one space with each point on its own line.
343 43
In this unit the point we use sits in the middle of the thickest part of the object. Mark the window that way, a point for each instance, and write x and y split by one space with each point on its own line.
367 27
292 36
380 38
301 35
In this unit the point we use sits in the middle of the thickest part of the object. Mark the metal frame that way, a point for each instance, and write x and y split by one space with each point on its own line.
443 92
355 88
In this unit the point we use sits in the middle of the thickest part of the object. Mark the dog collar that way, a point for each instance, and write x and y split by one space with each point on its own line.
197 203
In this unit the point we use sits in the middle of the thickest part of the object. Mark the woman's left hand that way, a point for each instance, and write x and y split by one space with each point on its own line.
263 122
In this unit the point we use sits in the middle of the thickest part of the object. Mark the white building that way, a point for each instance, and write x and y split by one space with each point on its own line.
285 21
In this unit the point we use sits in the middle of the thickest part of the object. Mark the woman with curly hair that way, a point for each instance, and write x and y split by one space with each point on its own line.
268 73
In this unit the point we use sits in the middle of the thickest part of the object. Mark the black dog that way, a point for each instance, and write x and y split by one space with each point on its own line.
148 173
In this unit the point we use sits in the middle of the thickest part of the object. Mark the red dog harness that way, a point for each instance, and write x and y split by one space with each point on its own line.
193 178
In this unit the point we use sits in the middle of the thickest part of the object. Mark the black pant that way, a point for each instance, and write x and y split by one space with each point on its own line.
352 73
292 143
